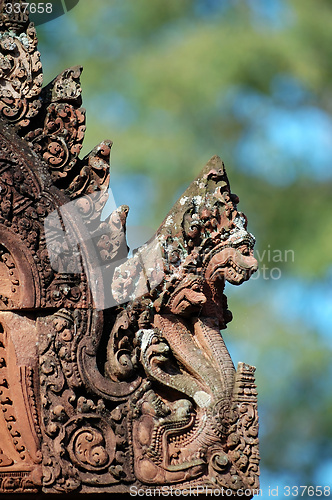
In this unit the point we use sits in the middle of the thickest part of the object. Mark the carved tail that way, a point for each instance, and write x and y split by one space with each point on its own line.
208 335
202 354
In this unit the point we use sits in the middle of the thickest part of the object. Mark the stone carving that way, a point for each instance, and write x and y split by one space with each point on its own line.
20 69
185 422
113 370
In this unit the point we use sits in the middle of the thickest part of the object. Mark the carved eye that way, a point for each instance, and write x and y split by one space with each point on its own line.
244 249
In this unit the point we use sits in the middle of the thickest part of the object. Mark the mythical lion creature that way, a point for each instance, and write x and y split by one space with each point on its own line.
184 423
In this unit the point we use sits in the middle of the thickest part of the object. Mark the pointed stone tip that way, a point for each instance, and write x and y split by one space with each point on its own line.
108 143
103 149
78 69
216 163
214 169
213 174
215 160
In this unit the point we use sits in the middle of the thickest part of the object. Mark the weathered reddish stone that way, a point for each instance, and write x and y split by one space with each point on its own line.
113 371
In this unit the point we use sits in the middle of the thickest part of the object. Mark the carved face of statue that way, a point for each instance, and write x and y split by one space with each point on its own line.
232 258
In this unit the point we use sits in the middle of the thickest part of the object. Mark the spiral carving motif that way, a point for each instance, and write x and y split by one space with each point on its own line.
87 449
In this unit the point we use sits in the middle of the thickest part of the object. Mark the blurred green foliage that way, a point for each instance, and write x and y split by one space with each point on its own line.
162 80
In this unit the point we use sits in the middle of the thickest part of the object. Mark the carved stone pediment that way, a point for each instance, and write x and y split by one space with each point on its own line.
114 373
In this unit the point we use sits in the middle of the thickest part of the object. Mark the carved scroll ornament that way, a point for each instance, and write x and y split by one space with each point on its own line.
113 369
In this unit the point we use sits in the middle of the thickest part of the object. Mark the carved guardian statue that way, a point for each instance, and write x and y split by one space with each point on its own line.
113 369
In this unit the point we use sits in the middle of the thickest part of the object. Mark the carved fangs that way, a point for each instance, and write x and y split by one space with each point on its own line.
232 265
